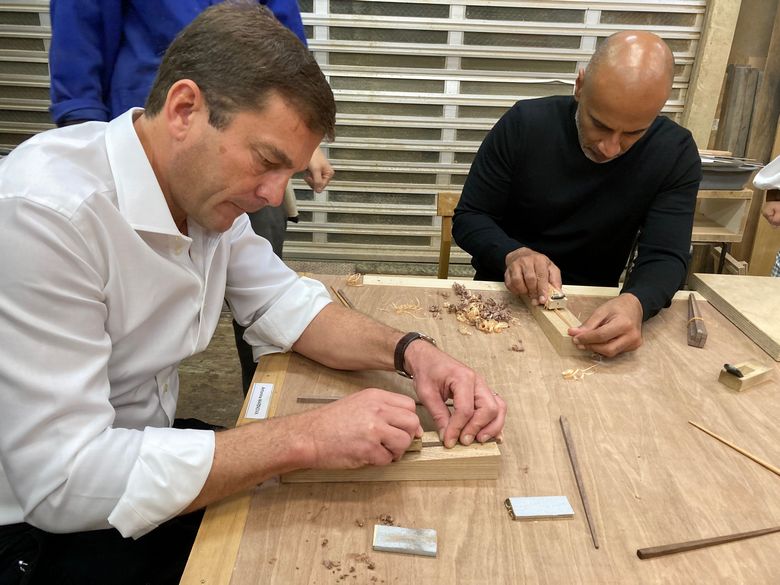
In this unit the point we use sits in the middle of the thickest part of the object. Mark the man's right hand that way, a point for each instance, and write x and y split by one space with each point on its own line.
370 427
530 273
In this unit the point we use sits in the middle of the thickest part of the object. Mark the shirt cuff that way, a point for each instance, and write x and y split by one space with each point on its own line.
168 475
284 322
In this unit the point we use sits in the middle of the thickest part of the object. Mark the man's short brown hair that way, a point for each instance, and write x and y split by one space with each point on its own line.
238 54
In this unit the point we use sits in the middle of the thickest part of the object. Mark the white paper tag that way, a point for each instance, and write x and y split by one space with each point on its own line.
259 401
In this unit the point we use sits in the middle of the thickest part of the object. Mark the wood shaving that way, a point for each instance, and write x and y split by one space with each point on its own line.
517 346
407 309
355 279
435 311
464 331
386 519
577 373
486 315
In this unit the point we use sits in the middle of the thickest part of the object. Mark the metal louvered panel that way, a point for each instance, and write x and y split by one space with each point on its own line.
418 84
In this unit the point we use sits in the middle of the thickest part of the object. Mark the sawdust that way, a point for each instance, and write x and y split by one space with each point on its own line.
517 346
485 314
386 520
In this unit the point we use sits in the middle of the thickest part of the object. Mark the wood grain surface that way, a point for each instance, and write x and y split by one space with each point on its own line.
652 478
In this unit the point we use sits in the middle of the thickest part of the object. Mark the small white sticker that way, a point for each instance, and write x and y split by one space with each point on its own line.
259 401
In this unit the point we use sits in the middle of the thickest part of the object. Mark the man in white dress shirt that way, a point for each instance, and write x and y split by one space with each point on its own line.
119 242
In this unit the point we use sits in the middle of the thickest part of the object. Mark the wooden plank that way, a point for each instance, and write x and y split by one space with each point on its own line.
752 303
720 22
737 109
476 461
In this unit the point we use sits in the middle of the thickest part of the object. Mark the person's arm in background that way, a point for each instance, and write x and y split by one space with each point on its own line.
85 37
660 266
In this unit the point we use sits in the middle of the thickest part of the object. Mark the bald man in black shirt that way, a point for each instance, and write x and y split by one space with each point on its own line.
561 186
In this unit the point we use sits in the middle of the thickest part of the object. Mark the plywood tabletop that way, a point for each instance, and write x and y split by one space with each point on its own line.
652 478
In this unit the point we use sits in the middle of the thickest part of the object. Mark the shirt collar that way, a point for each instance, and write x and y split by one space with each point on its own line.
141 201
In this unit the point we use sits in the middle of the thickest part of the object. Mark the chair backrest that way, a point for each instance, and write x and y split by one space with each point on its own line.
446 201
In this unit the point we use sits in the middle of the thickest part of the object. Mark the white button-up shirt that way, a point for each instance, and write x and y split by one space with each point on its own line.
101 297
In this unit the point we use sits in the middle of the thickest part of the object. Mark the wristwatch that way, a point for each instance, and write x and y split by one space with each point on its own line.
400 350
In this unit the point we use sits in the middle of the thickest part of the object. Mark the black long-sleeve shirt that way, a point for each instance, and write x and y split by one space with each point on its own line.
531 185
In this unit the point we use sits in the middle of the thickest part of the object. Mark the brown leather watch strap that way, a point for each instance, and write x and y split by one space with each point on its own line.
400 350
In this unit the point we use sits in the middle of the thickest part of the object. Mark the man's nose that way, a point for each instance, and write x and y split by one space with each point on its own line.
610 146
272 187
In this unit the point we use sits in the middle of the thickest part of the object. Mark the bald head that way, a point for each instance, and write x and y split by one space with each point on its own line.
636 63
622 91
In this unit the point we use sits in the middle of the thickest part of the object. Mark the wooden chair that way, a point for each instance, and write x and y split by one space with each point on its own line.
445 208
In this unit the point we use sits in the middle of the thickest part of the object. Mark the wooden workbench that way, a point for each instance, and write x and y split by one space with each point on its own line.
652 478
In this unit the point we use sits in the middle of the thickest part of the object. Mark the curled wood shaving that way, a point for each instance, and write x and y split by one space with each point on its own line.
355 279
486 315
577 373
406 309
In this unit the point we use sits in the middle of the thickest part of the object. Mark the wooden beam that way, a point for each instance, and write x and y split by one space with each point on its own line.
555 324
720 22
476 461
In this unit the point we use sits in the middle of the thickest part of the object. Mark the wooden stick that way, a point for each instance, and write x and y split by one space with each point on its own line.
344 296
578 478
307 399
668 549
697 331
341 299
761 462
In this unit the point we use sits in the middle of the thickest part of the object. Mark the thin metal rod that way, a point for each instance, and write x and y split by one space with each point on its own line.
761 462
306 399
578 477
668 549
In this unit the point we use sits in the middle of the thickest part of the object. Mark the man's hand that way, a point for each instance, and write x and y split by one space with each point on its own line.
320 171
613 328
771 212
370 427
529 272
479 413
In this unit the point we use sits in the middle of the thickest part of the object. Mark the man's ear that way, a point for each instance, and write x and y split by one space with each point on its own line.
183 104
578 83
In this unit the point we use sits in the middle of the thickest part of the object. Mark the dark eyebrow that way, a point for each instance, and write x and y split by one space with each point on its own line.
603 125
264 149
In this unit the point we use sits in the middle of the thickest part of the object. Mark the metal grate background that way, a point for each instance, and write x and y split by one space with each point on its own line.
418 84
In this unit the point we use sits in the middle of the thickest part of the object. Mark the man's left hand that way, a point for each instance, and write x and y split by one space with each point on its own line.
613 328
479 413
320 171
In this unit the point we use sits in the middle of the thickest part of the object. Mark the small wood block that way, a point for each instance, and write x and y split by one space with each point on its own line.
539 508
410 541
555 324
697 332
431 463
753 373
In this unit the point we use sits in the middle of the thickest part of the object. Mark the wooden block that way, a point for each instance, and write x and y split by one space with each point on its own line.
556 324
753 373
539 507
697 332
410 541
477 461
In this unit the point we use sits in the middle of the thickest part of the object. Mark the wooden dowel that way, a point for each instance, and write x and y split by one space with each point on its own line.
577 477
761 462
341 299
668 549
344 296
